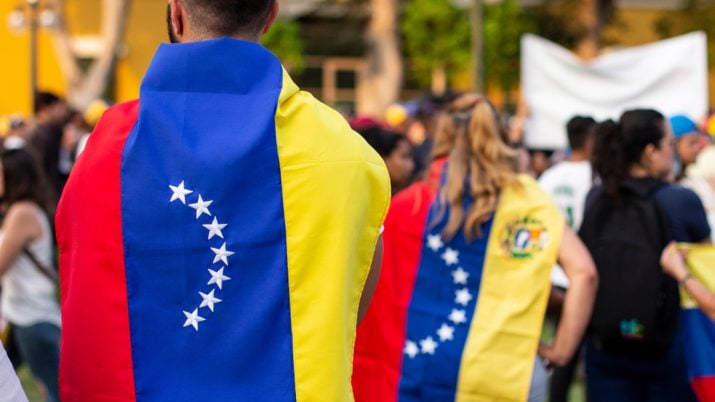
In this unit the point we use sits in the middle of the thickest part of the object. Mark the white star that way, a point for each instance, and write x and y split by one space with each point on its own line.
460 276
215 228
462 296
411 349
218 277
209 300
458 316
434 242
201 207
450 256
193 319
222 254
180 193
445 332
428 345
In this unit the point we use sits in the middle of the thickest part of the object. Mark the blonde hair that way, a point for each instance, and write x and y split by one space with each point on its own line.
480 164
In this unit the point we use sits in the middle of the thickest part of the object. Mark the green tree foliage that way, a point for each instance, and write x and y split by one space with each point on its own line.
285 41
504 24
436 34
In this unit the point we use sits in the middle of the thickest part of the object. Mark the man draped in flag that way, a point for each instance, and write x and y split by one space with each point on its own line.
217 234
458 310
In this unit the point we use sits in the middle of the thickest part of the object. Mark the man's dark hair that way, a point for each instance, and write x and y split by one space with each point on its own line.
579 128
229 17
44 100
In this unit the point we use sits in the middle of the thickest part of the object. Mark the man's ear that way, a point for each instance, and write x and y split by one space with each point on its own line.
273 14
177 16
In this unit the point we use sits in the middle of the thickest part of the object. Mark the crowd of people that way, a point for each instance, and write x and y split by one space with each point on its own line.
484 243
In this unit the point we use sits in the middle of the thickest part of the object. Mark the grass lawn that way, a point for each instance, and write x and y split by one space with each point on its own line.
29 385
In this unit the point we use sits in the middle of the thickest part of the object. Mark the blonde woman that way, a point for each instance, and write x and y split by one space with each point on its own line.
458 311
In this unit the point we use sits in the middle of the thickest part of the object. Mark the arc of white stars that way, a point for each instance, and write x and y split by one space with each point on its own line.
201 207
193 319
209 300
179 193
462 296
215 228
445 333
460 276
222 254
217 278
411 349
434 242
450 256
428 345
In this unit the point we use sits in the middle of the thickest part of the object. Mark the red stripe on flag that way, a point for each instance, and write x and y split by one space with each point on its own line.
704 388
381 335
96 358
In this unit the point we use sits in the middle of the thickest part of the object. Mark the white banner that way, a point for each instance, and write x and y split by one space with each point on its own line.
669 76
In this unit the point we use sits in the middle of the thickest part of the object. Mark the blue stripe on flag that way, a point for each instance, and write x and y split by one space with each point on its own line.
699 340
206 125
441 308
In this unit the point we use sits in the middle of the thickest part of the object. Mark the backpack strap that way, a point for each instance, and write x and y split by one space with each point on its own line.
40 267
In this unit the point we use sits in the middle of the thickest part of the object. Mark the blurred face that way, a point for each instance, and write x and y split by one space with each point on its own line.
689 147
400 164
661 159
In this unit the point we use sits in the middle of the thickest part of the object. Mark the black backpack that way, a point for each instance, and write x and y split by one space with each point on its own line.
637 306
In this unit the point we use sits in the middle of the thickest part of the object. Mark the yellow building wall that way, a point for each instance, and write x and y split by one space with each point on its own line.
146 29
15 88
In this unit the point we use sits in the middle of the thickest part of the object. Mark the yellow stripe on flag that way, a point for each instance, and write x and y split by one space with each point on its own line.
701 264
336 191
498 357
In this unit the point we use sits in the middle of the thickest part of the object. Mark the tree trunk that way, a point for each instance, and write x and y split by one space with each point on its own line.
380 81
593 16
82 87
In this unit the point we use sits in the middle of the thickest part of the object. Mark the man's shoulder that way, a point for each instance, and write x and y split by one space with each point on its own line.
313 131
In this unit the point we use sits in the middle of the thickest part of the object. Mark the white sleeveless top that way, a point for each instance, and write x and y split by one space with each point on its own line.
28 296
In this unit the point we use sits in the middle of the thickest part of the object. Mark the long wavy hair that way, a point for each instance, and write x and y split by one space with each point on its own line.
480 164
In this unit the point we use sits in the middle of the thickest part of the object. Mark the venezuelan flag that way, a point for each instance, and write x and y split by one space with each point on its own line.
699 329
215 237
452 320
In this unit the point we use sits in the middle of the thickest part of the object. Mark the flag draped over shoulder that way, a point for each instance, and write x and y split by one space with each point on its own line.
453 320
215 238
699 329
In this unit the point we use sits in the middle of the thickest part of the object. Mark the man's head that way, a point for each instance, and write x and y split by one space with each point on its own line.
50 109
193 20
688 140
580 130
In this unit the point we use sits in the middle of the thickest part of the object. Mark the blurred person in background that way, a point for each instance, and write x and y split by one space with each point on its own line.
29 301
633 352
395 149
429 111
568 182
465 277
539 161
51 113
689 142
700 178
73 133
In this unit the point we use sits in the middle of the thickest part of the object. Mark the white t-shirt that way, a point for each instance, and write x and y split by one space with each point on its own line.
568 183
28 296
10 389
